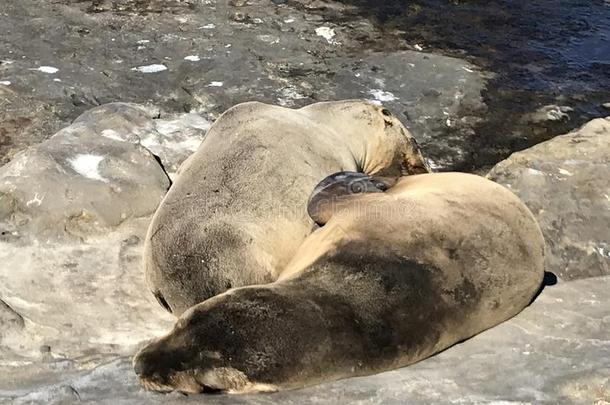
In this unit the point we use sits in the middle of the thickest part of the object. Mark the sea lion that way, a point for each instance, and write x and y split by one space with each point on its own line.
334 189
237 212
391 278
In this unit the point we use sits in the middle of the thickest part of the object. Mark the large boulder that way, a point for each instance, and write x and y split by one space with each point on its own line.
172 139
94 175
566 184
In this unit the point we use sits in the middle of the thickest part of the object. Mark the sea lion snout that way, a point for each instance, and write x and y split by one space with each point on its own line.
154 359
190 359
165 366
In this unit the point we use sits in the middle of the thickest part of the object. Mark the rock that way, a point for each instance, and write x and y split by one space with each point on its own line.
63 394
74 210
78 184
96 174
549 113
82 303
449 105
566 184
10 320
213 60
555 351
172 138
24 121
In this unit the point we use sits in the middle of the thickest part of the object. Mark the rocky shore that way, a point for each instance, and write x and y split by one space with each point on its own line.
100 103
74 210
67 57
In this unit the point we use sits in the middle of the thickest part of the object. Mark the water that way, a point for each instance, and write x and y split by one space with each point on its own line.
540 52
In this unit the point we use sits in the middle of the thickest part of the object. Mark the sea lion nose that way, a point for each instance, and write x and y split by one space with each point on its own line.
144 363
138 365
153 359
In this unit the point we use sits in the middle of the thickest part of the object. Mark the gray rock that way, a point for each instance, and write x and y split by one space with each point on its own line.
24 121
172 138
74 305
217 54
566 184
549 113
77 184
555 351
450 104
10 320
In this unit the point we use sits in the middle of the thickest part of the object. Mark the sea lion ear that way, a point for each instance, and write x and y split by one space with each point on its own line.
332 193
415 162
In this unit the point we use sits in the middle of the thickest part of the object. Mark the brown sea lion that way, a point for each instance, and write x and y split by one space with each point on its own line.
391 278
237 211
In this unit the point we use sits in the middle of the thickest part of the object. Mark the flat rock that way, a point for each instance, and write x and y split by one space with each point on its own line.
555 351
566 184
10 320
71 306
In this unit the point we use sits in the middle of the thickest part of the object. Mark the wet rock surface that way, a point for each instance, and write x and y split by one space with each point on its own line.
67 56
204 57
24 121
566 184
537 59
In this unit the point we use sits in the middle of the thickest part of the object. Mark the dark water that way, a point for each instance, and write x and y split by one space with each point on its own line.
540 51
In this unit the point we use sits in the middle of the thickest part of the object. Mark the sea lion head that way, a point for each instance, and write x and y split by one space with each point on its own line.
179 361
338 188
196 356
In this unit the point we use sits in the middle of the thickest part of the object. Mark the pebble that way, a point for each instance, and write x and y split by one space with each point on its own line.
155 68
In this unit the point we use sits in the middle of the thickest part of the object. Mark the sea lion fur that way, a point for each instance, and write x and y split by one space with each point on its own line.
390 279
237 211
